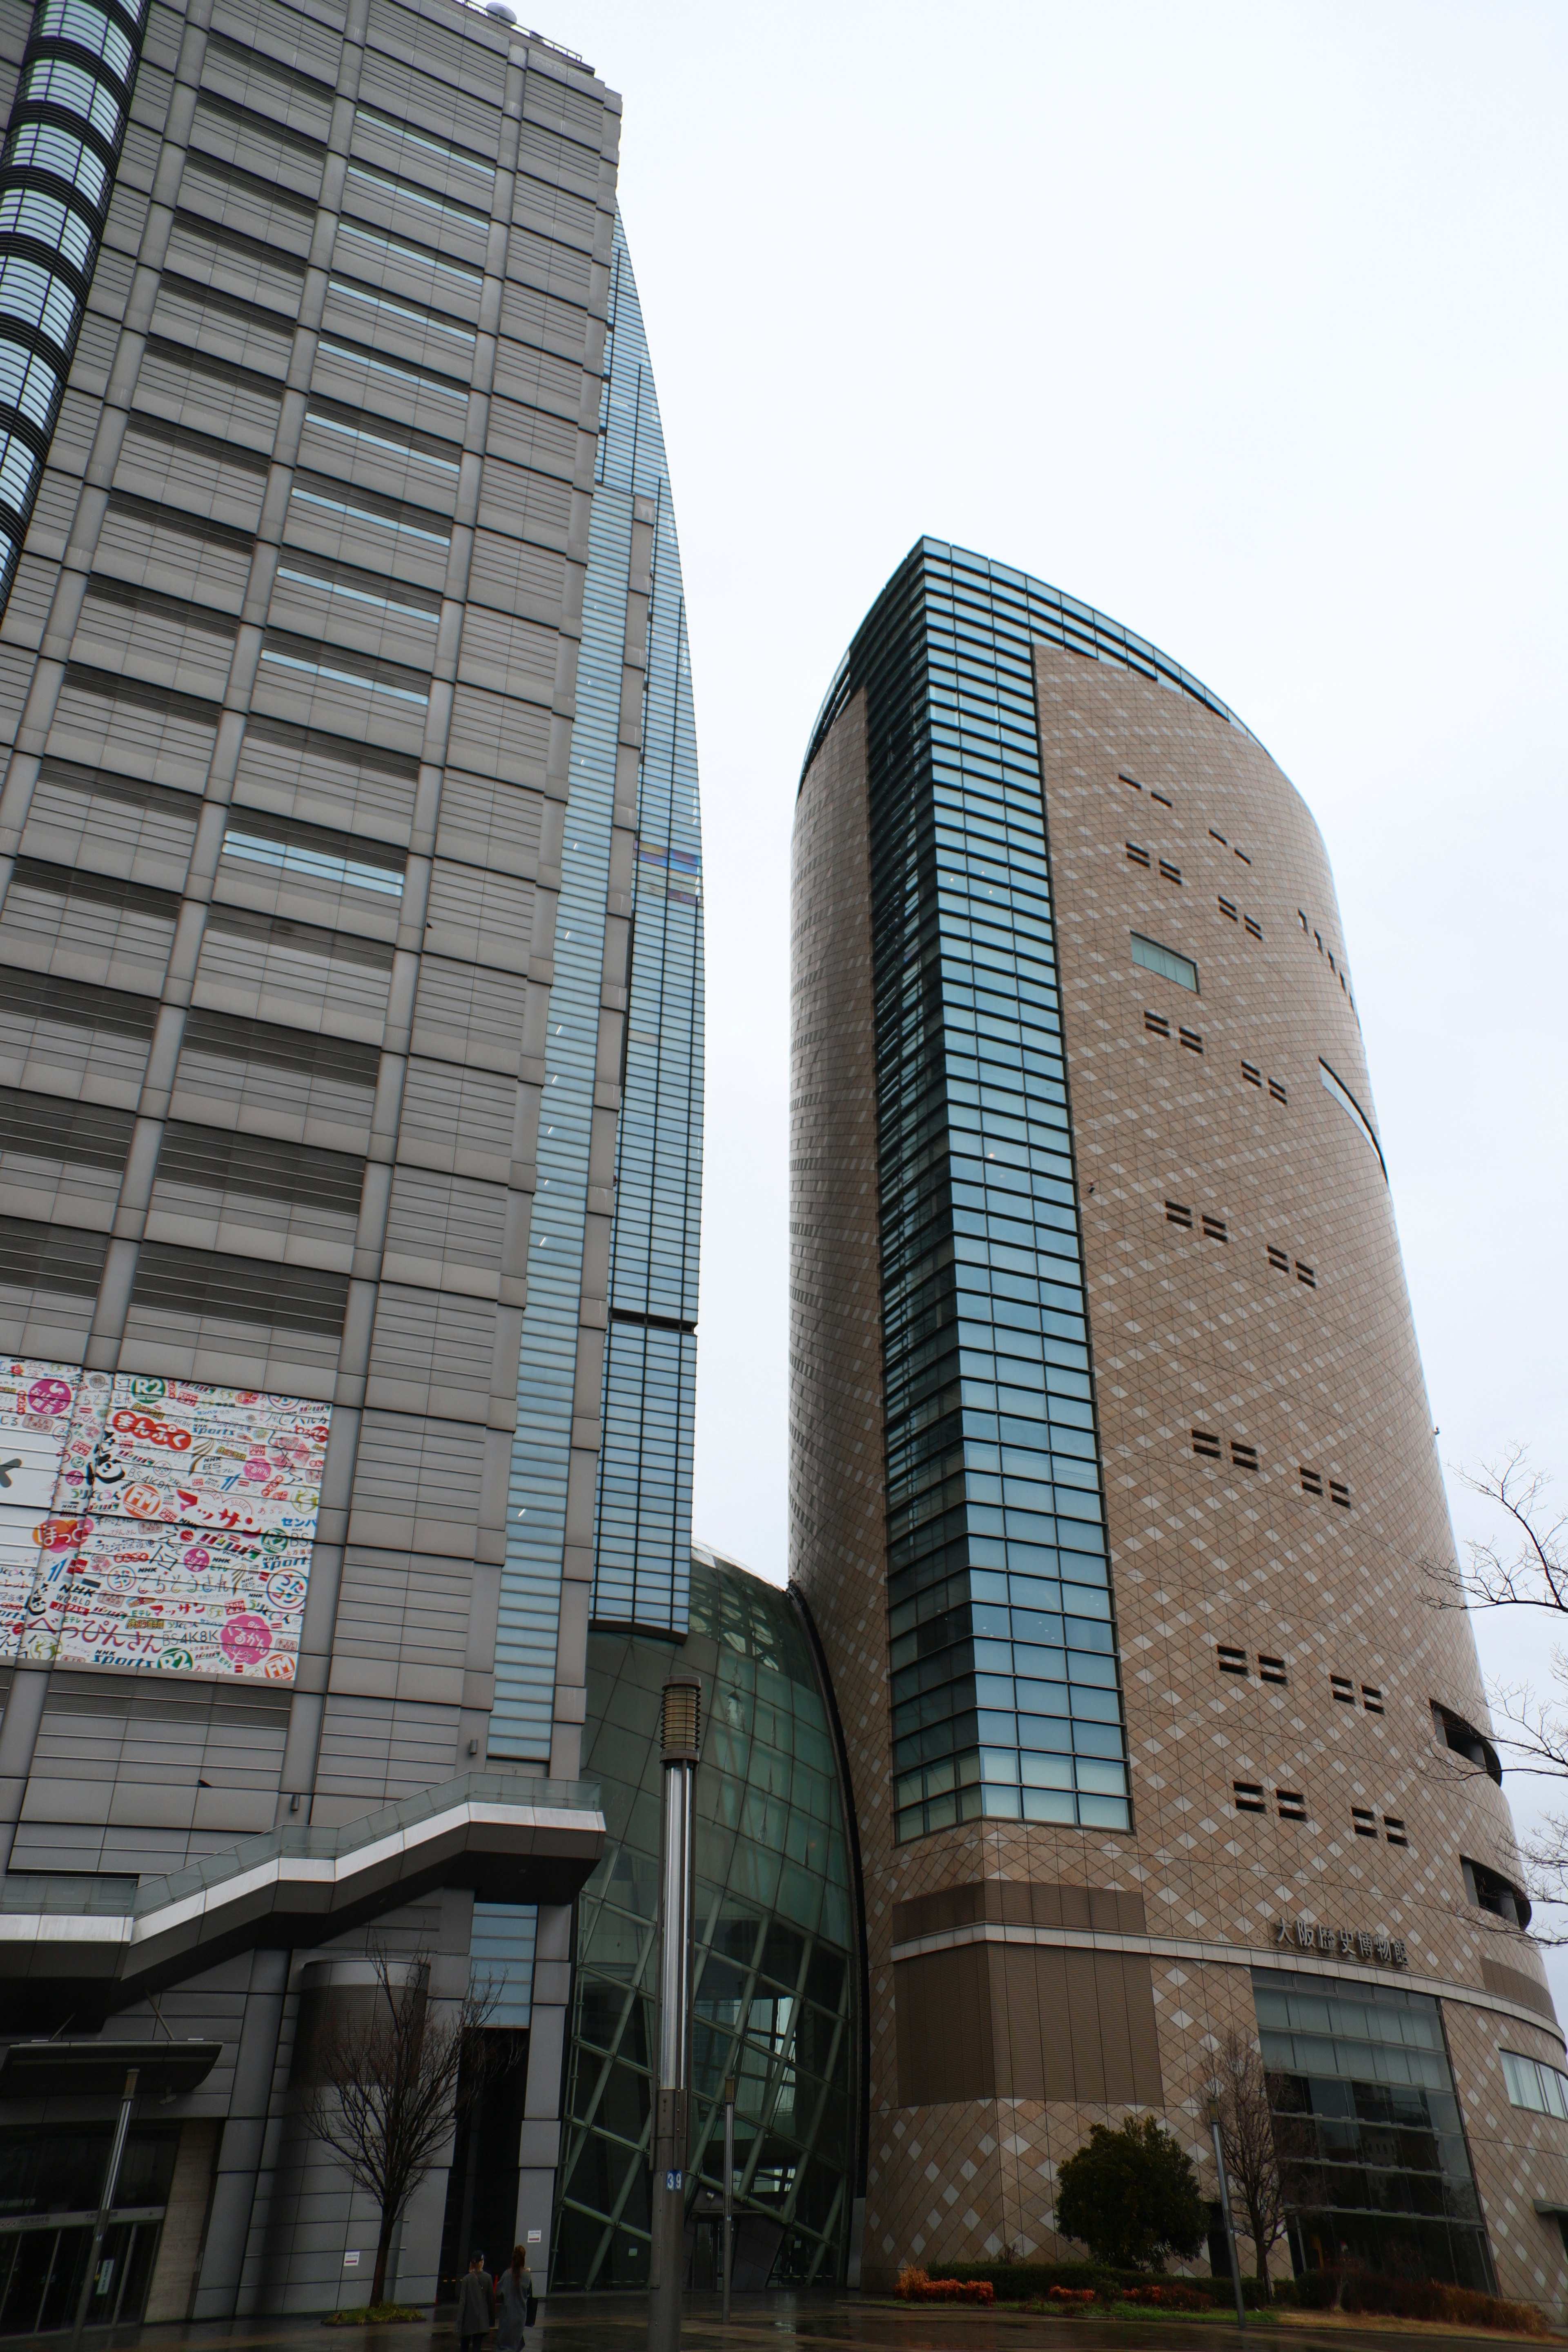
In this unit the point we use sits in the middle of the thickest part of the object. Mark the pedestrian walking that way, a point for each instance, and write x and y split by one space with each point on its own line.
476 2306
515 2303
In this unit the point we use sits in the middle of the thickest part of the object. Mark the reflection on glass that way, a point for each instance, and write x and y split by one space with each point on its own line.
774 1980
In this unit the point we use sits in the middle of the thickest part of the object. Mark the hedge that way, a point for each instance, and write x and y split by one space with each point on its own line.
1026 2282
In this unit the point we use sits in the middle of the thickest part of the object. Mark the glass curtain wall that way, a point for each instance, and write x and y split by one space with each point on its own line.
644 1535
1007 1700
1368 2131
57 175
774 1979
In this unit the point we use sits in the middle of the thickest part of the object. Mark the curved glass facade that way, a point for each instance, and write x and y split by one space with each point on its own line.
1006 1699
57 175
644 1531
775 1974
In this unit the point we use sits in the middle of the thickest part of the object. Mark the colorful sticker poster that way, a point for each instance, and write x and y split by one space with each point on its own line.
37 1402
154 1523
183 1451
183 1600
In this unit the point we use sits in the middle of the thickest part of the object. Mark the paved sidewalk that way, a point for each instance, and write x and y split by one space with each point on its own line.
783 2321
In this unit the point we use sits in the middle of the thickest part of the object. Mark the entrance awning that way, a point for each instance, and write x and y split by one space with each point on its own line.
97 2069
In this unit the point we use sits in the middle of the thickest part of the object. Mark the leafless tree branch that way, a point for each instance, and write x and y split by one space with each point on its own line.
394 2072
1247 2138
1536 1575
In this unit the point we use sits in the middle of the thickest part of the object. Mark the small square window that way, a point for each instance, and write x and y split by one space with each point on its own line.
1227 907
1253 928
1178 1213
1372 1698
1311 1482
1171 873
1271 1670
1252 1074
1393 1830
1305 1274
1364 1820
1205 1443
1135 855
1248 1795
1292 1804
1278 1260
1215 1229
1231 1662
1278 1091
1339 1494
1243 1457
1342 1688
1193 1040
1158 1023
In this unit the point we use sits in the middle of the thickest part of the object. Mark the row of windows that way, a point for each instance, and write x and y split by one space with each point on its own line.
1209 1447
1136 855
1215 1229
1291 1805
1533 2085
1227 907
1271 1669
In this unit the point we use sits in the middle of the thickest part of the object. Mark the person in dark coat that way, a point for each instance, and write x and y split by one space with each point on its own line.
516 2284
476 2306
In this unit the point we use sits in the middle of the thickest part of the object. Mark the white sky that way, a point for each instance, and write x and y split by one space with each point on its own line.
1246 324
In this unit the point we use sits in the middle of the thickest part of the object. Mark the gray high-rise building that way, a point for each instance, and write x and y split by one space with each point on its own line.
350 1106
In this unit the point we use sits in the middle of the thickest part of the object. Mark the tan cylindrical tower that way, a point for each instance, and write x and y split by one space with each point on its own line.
1114 1493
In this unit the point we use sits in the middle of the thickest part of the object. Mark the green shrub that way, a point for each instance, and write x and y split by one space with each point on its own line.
1022 2281
1130 2196
1030 2282
372 2314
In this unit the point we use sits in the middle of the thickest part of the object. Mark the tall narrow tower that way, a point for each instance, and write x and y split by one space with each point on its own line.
1112 1482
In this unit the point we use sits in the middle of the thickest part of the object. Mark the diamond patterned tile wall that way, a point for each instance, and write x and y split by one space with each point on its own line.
1212 1298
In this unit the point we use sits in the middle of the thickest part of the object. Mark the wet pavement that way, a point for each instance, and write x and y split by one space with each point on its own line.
785 2322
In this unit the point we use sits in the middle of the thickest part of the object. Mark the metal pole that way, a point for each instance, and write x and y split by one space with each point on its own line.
105 2204
680 1731
1224 2213
729 2188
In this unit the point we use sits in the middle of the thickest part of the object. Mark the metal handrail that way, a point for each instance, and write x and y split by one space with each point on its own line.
42 1891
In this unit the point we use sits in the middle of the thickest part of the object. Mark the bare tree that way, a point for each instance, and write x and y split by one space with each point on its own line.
393 2072
1247 2138
1532 1728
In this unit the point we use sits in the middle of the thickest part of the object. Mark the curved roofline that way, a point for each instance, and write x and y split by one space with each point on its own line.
1078 625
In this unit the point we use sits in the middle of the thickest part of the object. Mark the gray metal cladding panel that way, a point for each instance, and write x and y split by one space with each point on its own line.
325 779
460 1118
462 1014
432 1350
406 1608
417 1482
374 1751
486 822
452 1225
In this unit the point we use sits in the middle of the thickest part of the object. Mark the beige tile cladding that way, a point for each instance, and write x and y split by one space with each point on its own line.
1187 1332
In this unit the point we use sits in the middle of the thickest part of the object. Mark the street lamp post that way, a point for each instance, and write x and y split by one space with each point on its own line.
729 2188
1225 2209
680 1733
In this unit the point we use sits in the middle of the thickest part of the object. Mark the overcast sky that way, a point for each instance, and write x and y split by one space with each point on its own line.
1244 323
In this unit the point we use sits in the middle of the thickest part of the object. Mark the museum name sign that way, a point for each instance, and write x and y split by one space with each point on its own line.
1339 1943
